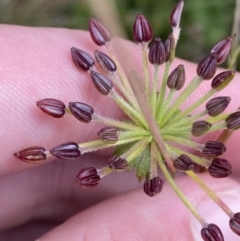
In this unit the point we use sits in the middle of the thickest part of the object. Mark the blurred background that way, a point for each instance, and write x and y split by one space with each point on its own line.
204 22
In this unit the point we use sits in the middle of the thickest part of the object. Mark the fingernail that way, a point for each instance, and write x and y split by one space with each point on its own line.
213 214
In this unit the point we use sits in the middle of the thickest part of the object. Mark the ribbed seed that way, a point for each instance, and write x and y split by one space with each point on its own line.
31 154
142 31
118 163
153 186
88 177
212 233
217 105
157 53
101 82
213 149
81 111
67 150
222 80
220 168
234 223
52 107
233 121
81 59
183 163
177 78
201 127
108 134
98 32
105 62
207 67
222 49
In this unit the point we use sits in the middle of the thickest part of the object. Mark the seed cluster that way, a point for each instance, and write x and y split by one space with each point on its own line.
149 140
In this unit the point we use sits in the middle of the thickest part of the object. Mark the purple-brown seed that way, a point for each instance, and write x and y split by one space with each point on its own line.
213 149
183 163
153 186
217 105
176 14
222 49
117 162
233 121
157 53
234 223
68 150
223 79
169 46
81 59
142 31
177 78
207 67
105 62
98 32
212 233
52 107
201 127
33 154
108 134
81 111
88 177
101 82
220 168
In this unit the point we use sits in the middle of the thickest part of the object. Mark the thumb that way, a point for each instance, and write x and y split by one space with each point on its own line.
135 216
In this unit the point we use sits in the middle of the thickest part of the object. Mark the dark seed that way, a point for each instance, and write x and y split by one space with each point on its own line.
105 62
81 111
222 49
169 46
183 163
199 128
212 233
217 105
52 107
82 60
220 168
233 121
33 154
118 163
108 134
102 83
223 79
142 31
98 32
207 67
68 150
88 177
177 78
213 149
153 186
157 53
234 223
176 14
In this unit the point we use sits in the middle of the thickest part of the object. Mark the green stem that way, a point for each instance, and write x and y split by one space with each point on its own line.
137 149
185 94
211 194
99 144
116 123
129 110
199 160
165 105
144 49
154 89
194 106
179 193
161 95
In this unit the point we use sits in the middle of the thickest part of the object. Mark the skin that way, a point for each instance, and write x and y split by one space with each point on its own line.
42 200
